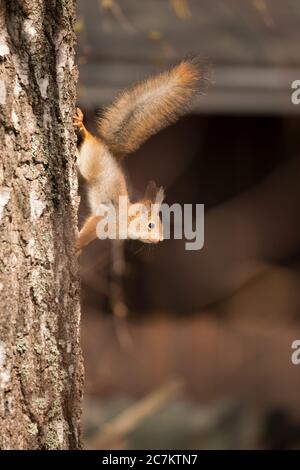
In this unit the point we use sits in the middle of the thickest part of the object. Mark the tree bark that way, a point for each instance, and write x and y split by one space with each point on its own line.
40 356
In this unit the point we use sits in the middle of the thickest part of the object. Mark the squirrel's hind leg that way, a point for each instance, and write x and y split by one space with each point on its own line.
90 151
78 122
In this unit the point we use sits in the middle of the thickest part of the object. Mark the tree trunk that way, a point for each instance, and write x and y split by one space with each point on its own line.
40 356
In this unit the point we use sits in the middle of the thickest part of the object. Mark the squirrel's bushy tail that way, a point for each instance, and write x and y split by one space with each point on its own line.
149 106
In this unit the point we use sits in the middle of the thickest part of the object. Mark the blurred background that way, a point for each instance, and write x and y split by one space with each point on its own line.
192 349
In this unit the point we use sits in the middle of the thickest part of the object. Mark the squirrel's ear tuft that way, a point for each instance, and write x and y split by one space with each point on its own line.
151 191
154 194
160 196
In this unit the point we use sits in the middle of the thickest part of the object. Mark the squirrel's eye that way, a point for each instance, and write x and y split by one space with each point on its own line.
151 225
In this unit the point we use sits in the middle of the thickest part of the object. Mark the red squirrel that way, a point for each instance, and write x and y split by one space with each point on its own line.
135 115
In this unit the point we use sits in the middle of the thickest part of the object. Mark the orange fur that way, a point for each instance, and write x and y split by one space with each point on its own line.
149 106
87 234
136 115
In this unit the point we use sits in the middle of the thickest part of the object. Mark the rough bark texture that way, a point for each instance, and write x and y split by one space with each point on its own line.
40 357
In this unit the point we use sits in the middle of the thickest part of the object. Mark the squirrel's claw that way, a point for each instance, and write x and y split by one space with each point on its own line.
78 118
78 248
79 114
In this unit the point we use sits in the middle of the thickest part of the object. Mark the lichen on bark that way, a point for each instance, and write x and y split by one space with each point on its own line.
40 356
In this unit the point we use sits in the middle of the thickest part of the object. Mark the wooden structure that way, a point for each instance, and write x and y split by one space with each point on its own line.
253 47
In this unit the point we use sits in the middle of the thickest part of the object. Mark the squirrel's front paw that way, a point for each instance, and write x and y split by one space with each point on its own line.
78 248
78 118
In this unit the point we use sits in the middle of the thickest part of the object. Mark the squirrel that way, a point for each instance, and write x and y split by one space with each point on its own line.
136 114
